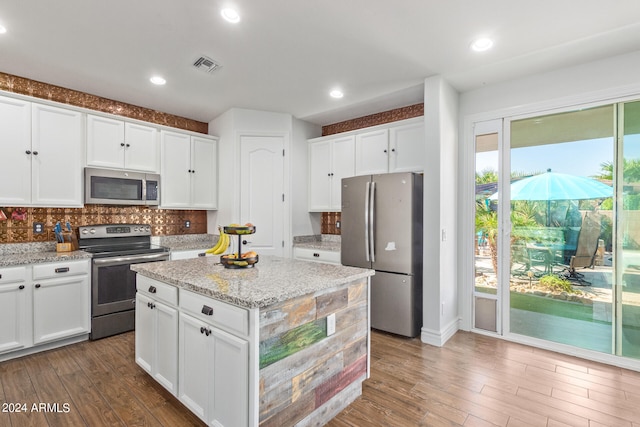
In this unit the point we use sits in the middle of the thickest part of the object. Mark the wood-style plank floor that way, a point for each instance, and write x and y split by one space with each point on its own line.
473 380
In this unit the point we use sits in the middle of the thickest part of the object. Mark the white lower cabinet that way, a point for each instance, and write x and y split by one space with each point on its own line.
156 340
15 309
317 255
197 348
43 303
213 372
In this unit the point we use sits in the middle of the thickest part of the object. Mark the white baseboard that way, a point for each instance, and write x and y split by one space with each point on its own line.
439 338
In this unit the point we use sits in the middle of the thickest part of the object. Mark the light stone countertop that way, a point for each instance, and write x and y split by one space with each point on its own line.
13 254
10 260
186 242
321 242
272 280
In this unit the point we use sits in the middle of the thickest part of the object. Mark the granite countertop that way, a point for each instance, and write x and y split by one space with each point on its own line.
35 253
272 280
186 242
320 242
9 260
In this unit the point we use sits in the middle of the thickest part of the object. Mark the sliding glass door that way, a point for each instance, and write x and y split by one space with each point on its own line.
627 264
561 212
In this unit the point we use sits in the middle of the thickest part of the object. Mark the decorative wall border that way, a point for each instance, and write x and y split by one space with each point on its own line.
24 86
389 116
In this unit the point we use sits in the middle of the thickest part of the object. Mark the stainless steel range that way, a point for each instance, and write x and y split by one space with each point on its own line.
113 285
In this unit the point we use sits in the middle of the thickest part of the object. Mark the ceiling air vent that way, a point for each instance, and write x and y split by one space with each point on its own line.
206 64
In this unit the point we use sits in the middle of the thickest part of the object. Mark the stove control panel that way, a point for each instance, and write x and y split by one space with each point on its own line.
114 230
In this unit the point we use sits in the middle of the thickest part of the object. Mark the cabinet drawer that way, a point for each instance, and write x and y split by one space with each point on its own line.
188 254
225 316
12 274
60 269
157 290
309 254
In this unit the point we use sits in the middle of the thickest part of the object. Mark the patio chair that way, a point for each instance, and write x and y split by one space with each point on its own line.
586 247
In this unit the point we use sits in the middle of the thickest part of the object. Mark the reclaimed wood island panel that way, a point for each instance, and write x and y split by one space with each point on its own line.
290 338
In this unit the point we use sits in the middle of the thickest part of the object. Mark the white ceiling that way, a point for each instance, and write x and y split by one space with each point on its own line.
285 55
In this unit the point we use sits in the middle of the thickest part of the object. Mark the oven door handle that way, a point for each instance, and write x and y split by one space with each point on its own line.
132 259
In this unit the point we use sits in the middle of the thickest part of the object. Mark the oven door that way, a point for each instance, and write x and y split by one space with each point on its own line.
113 284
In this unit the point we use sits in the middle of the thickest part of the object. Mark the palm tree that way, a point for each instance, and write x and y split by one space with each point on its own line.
487 224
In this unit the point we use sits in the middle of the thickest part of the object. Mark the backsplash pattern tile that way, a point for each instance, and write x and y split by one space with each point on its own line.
403 113
328 223
23 86
163 221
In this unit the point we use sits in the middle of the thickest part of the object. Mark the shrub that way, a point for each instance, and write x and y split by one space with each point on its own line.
556 283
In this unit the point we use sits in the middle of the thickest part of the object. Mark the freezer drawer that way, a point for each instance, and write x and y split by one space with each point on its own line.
396 304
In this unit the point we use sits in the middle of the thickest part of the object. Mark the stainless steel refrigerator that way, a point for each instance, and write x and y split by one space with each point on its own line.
381 227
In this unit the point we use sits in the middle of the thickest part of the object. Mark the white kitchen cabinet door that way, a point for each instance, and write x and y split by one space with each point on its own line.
165 360
229 399
14 316
194 365
105 142
176 170
142 150
15 146
57 159
320 176
407 148
372 150
60 308
204 175
118 144
329 161
343 166
145 333
189 171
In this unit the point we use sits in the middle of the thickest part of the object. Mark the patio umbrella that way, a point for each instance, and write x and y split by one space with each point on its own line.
557 186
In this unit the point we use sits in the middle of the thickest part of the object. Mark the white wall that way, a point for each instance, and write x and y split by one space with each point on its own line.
440 308
228 127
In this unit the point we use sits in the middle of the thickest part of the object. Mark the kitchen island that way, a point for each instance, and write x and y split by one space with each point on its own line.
283 343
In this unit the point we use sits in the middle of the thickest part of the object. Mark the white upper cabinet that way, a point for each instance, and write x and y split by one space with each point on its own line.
406 147
15 142
57 138
122 145
329 161
41 161
372 152
189 171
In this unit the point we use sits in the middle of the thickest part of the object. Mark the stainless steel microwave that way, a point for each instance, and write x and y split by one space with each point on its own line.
118 187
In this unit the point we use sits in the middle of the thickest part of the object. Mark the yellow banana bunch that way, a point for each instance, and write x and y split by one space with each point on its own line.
222 245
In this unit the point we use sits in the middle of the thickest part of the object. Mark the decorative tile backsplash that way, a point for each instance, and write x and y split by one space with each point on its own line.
328 223
21 85
18 225
403 113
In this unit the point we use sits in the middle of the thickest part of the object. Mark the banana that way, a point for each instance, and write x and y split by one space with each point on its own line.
219 244
225 244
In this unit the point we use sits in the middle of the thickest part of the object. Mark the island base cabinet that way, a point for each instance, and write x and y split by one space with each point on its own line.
60 308
213 371
156 340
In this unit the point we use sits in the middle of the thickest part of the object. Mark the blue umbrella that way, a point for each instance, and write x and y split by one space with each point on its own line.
557 186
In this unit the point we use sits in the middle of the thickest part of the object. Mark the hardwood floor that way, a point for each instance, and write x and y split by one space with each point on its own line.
472 381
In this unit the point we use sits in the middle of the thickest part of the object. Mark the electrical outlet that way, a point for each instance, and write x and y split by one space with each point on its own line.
187 224
338 225
331 324
38 227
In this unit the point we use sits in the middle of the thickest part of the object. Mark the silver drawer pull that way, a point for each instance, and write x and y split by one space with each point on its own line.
207 311
62 270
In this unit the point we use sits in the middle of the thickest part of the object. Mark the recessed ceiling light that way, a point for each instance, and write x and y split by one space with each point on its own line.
482 44
336 93
2 29
157 80
230 15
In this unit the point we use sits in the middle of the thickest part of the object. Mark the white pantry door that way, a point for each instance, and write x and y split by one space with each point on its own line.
262 192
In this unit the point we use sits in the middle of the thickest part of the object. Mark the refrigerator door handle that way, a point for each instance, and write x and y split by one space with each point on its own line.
367 204
372 209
